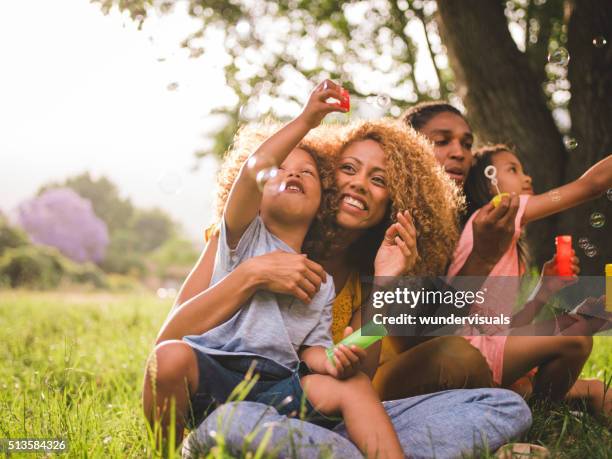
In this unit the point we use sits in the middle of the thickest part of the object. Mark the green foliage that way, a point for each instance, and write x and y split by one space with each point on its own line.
150 229
122 256
11 237
43 267
176 253
32 266
133 232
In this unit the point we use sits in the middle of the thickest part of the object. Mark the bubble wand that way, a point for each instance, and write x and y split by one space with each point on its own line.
490 172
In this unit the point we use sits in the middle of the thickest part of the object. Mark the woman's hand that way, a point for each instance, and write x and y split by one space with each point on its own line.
287 273
347 361
317 106
398 252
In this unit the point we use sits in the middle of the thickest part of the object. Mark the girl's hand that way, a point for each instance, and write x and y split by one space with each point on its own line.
287 273
316 108
398 252
552 282
347 361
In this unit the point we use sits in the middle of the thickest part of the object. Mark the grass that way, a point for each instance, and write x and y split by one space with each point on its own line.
72 365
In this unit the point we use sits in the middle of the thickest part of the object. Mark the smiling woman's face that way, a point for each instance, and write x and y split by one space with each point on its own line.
362 184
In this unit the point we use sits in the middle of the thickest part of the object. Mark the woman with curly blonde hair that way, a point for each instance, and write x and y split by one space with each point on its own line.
395 213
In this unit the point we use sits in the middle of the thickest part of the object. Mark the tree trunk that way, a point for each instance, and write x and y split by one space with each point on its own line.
503 97
590 75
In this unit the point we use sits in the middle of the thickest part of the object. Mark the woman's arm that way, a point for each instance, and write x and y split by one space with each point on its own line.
200 308
198 279
590 185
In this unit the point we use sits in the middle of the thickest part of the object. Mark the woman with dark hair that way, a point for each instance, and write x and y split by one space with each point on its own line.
392 205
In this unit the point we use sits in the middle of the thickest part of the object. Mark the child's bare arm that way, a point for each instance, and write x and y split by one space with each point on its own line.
591 184
244 199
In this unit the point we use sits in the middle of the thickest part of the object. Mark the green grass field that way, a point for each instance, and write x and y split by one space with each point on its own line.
71 366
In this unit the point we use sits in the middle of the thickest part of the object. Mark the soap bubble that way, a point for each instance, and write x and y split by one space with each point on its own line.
609 194
598 220
559 56
583 242
256 163
264 175
383 100
172 86
569 142
590 251
599 42
555 195
170 182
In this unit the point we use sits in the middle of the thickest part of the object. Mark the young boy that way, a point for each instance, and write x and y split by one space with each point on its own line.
282 338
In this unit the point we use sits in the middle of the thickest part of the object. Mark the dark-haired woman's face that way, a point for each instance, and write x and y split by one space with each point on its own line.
452 139
362 184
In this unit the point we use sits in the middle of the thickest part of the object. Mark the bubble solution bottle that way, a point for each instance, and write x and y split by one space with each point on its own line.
378 332
564 255
609 287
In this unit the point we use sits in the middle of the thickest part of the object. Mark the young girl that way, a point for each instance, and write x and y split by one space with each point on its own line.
285 338
558 359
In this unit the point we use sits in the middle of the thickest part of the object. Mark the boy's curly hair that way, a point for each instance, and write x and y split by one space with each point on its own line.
320 144
416 183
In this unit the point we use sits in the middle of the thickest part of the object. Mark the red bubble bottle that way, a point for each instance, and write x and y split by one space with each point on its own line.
564 255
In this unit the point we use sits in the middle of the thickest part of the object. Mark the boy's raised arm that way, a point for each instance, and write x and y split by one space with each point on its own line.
244 199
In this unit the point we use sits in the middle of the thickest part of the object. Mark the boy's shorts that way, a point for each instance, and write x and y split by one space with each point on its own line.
277 386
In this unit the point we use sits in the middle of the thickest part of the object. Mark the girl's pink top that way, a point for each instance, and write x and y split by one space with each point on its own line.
508 264
492 347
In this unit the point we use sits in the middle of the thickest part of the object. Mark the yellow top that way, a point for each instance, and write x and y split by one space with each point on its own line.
345 305
609 269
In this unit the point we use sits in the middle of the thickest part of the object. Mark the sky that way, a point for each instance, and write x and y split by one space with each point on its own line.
80 91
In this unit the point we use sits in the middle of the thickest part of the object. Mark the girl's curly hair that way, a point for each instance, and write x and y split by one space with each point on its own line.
416 183
319 143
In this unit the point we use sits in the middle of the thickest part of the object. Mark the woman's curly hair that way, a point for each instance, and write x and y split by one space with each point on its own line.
320 144
416 183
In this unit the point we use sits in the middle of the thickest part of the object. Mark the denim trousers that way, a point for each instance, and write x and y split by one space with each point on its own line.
448 424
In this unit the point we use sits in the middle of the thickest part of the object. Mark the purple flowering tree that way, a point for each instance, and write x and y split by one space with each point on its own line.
61 218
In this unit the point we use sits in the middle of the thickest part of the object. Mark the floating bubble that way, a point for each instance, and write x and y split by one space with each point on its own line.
264 175
383 100
212 434
599 42
170 182
172 86
583 242
609 194
559 56
598 220
590 251
162 293
256 163
569 142
555 195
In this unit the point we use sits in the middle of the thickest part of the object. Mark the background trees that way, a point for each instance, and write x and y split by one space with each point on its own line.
504 61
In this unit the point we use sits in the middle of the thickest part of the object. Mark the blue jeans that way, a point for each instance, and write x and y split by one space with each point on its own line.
441 425
276 386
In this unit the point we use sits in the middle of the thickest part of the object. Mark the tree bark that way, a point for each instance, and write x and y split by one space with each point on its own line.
590 75
503 97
